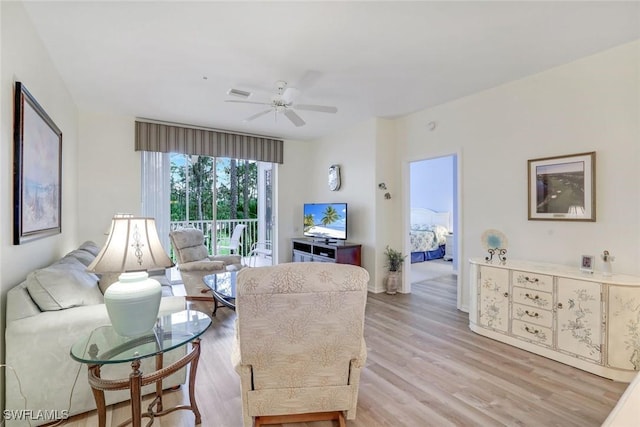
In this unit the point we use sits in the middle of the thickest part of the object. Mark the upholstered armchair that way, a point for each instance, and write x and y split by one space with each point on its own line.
194 261
299 345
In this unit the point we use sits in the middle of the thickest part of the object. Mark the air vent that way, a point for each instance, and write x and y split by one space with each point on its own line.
239 93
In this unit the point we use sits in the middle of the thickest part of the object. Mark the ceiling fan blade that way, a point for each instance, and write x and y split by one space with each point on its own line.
309 79
319 108
247 102
295 119
255 116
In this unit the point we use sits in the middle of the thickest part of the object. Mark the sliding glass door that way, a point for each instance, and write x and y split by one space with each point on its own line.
218 194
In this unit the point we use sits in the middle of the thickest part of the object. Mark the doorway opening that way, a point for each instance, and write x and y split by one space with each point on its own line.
433 219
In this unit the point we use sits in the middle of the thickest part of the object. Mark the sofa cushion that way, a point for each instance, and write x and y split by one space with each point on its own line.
20 304
85 257
90 247
195 253
63 285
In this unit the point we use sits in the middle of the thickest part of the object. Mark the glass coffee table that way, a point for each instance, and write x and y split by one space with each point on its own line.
223 289
104 346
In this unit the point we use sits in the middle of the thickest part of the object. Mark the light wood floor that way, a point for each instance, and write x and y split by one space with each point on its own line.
425 368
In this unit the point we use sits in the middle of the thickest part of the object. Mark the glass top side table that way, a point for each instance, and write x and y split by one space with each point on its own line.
105 346
223 289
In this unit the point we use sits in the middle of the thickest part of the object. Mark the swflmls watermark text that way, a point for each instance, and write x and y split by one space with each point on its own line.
35 414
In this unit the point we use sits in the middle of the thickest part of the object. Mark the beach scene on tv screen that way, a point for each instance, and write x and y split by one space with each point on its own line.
326 220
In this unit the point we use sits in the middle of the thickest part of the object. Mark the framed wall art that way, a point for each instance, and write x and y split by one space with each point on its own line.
37 170
563 188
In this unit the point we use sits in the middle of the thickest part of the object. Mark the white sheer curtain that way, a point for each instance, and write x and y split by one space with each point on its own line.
156 192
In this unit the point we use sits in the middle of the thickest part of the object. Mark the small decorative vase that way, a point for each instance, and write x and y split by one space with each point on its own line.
393 282
607 259
606 268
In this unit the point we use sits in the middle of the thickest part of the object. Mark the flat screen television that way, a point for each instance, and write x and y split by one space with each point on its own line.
326 221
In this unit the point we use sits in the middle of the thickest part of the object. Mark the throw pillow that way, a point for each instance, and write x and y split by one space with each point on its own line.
195 253
61 286
85 257
90 247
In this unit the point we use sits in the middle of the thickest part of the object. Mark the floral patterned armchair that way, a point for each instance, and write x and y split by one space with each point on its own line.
299 345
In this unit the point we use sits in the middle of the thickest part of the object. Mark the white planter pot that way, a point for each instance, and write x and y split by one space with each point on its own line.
394 280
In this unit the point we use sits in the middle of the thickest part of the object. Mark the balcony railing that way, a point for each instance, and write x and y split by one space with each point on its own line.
221 236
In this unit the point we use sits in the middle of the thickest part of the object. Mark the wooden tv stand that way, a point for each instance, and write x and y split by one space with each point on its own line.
310 250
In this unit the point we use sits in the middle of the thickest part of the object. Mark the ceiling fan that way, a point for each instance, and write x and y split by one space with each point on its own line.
283 102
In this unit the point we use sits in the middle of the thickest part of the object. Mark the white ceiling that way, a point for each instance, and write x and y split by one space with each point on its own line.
369 59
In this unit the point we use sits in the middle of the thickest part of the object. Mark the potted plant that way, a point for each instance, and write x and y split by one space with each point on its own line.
395 259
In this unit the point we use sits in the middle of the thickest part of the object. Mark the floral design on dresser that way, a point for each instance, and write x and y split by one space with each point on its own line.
577 324
492 304
631 308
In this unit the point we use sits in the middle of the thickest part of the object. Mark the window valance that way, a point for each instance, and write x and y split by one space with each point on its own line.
165 138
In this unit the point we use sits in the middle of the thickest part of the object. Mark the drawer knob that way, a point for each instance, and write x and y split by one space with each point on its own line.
535 280
506 294
559 305
535 298
531 314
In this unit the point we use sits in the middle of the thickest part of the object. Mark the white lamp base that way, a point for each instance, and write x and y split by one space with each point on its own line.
133 303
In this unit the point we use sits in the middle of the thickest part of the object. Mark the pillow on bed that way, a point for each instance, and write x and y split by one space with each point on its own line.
420 227
440 232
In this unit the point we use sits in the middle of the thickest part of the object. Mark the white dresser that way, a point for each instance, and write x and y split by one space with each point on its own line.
589 321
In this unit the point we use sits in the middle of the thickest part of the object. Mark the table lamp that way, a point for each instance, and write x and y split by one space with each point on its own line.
132 248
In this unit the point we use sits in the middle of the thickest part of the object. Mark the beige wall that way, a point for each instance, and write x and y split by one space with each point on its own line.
291 189
589 105
352 150
110 173
24 59
388 212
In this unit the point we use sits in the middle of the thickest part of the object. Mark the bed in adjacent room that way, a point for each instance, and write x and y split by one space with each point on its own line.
429 230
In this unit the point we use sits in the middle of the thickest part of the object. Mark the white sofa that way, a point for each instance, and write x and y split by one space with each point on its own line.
46 314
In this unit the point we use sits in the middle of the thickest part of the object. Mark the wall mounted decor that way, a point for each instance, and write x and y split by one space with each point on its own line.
563 188
334 177
37 170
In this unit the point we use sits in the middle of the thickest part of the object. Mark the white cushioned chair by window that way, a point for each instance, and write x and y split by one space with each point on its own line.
260 252
299 345
194 261
235 241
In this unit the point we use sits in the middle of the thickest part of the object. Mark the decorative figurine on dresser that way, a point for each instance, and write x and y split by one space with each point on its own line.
607 259
495 242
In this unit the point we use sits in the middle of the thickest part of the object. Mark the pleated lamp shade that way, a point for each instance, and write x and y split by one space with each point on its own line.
132 248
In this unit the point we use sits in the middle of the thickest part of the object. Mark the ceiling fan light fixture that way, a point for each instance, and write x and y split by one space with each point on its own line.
239 93
282 102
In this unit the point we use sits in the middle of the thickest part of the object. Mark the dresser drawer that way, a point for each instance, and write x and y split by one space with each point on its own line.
533 315
533 298
532 332
540 282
